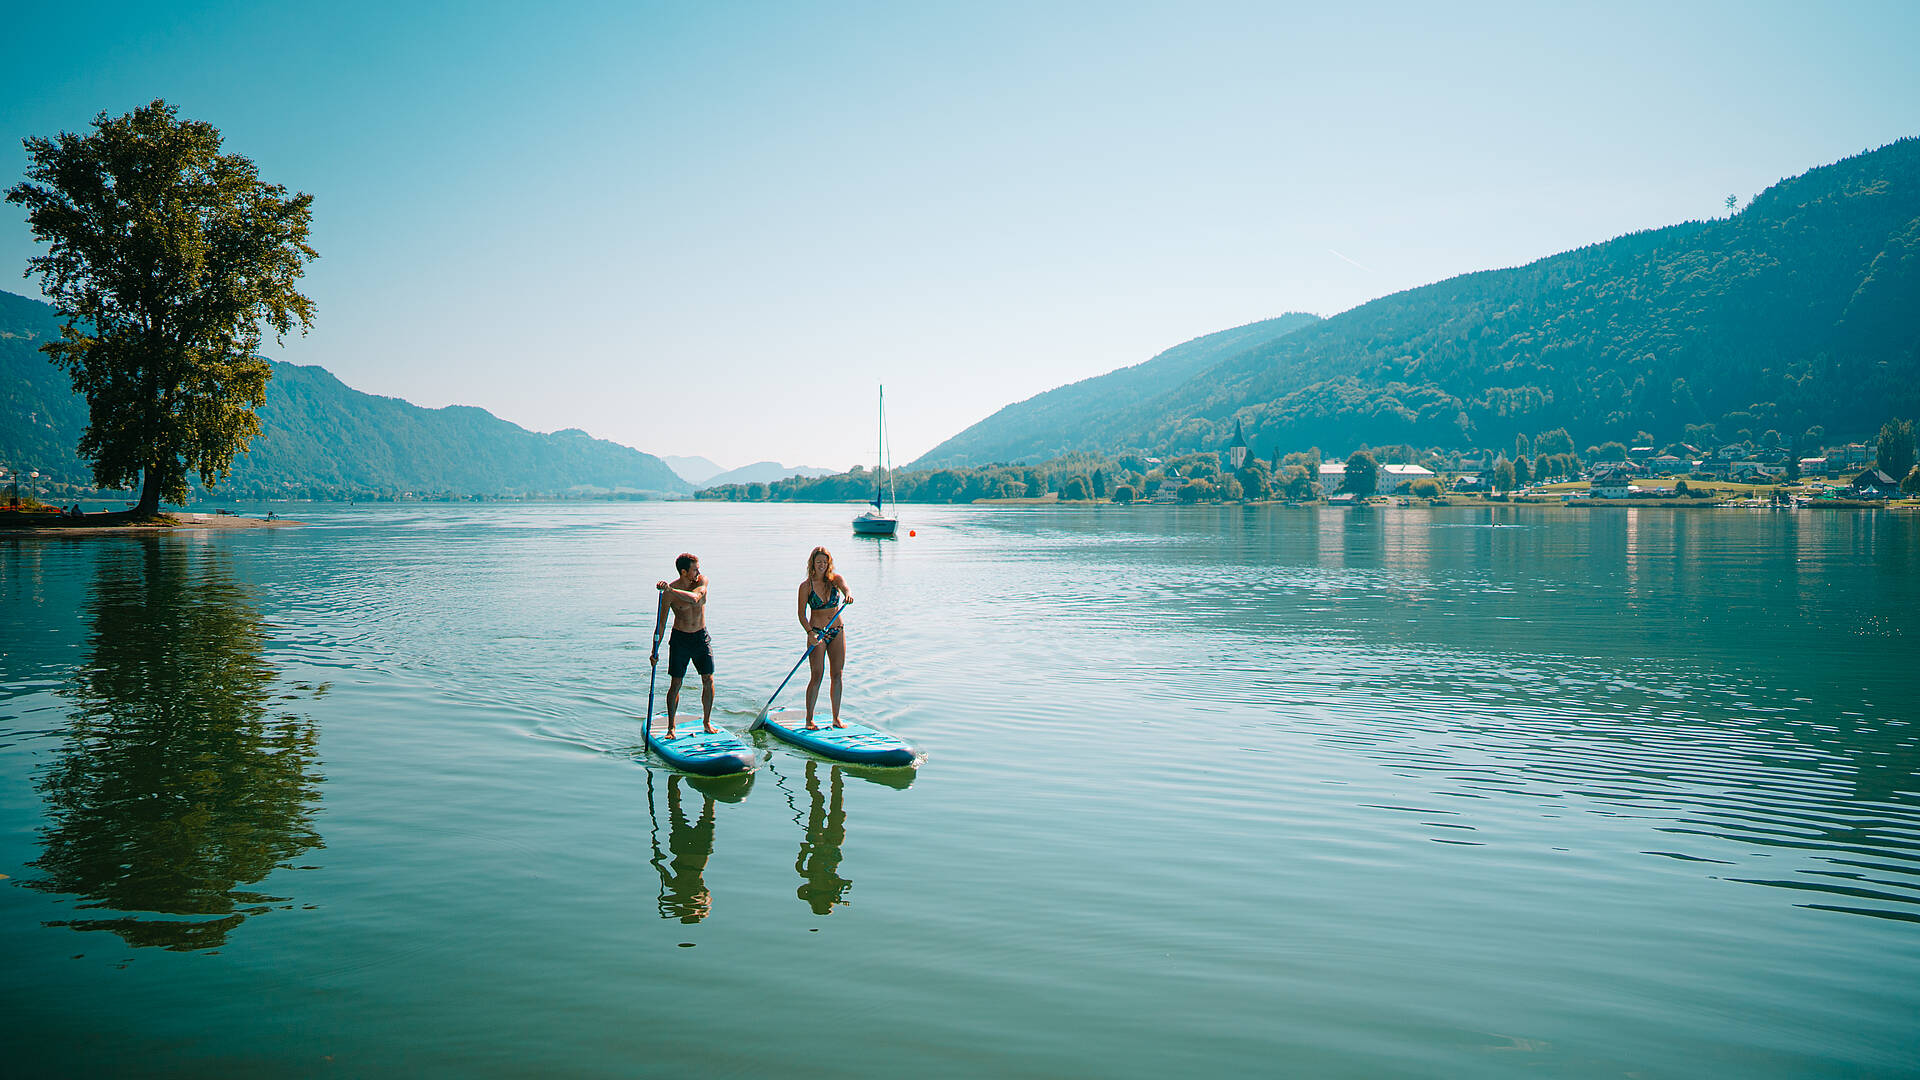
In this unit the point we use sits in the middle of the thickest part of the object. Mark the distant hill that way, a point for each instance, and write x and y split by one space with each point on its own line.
1801 310
763 472
1069 418
694 470
321 438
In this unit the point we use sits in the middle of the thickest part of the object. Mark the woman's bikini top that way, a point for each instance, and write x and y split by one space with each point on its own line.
815 603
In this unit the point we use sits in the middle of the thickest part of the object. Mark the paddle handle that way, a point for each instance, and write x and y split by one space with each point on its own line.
762 718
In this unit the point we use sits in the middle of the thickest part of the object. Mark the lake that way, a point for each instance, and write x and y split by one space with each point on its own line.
1372 792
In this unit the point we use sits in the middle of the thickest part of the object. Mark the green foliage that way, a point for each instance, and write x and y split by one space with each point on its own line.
1893 450
1076 489
1362 477
1195 466
1522 472
1255 481
1680 487
1310 461
1504 478
1911 484
1123 494
1610 451
164 259
1556 441
1426 488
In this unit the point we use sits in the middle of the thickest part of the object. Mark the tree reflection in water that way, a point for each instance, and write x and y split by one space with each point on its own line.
181 779
683 866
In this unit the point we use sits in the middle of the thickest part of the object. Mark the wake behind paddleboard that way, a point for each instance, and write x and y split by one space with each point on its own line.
855 743
692 750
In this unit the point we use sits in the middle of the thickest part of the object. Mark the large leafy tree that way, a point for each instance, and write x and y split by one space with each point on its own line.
164 258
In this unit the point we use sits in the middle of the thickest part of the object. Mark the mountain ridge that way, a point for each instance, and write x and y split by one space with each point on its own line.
320 438
1008 434
1797 312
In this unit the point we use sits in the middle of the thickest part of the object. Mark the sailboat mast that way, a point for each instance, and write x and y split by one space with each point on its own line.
879 450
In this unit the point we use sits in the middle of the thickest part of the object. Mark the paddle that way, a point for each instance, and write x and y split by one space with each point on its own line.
762 718
653 673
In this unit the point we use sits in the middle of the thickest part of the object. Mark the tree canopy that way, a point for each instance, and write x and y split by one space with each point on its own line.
164 258
1362 476
1893 451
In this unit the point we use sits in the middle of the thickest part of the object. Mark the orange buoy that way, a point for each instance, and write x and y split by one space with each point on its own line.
910 532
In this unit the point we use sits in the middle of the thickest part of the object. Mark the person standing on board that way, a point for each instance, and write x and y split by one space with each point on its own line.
686 595
822 596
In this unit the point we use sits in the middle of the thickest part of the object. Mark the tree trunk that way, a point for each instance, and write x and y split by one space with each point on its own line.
149 493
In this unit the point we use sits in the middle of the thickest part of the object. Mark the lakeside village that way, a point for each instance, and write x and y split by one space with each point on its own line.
1764 471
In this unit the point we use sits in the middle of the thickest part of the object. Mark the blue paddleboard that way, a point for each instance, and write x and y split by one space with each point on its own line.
692 750
855 743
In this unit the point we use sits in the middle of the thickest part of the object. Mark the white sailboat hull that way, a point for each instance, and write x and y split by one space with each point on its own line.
875 525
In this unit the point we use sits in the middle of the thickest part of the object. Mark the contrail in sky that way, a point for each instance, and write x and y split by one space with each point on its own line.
1355 262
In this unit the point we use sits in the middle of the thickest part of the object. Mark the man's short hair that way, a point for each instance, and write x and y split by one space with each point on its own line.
685 560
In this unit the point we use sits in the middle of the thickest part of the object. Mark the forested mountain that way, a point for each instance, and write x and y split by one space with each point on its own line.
1072 417
321 438
1803 309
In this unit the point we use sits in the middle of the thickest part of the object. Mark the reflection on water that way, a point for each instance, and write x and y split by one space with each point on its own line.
818 862
682 867
821 885
181 777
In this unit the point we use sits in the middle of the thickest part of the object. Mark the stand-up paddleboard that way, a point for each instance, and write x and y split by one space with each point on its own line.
692 750
855 743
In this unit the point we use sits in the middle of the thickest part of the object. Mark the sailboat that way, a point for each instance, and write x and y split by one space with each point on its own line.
877 522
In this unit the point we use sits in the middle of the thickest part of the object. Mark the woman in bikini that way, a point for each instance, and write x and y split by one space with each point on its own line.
821 597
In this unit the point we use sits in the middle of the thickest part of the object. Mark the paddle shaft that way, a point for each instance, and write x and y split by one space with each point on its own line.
653 671
762 718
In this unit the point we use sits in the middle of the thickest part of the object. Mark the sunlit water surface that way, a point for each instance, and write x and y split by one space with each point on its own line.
1243 791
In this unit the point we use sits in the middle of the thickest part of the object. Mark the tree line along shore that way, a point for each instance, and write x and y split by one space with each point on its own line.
1545 466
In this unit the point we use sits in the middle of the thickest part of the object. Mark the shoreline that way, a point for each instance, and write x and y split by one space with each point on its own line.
14 524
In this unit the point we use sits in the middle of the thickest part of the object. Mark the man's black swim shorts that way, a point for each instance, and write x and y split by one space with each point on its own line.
687 645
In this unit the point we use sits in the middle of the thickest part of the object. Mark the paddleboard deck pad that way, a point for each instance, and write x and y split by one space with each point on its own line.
855 743
692 750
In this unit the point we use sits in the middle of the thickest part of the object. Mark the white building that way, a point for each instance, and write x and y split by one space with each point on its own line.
1393 478
1611 484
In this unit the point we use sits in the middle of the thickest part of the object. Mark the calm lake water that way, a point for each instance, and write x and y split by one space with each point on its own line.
1469 792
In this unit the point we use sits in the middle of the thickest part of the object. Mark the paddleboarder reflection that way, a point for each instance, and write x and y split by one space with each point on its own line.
682 868
818 863
821 886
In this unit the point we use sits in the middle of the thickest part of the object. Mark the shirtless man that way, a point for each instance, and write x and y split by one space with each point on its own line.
687 596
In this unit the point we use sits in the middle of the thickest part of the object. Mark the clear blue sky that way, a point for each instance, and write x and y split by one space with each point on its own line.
713 228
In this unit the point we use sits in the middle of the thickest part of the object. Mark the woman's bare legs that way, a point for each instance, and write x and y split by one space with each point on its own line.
837 656
815 664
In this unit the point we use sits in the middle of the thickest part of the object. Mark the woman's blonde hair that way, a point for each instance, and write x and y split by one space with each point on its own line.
814 554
